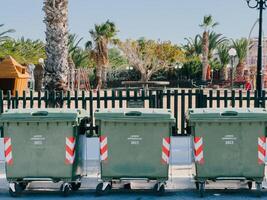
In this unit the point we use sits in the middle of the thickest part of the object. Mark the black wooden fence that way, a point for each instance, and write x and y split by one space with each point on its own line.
179 101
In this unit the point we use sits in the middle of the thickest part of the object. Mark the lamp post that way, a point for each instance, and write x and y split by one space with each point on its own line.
260 5
232 54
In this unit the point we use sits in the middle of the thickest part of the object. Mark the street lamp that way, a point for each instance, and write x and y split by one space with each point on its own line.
41 61
260 5
232 54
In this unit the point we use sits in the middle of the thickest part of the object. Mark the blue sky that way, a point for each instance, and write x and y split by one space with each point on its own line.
154 19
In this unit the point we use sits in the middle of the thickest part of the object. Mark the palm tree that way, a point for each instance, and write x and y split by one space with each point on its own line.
241 47
56 63
224 59
208 24
3 35
102 35
215 40
193 46
25 51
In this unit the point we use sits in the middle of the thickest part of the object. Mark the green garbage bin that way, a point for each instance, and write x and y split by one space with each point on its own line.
229 144
134 145
44 145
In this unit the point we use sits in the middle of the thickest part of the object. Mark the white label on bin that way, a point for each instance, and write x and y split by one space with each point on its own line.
134 139
38 140
229 139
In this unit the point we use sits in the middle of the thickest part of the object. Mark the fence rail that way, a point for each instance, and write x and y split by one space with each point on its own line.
179 101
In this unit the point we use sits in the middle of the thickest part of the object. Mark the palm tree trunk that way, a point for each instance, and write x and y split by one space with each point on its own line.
239 72
56 63
71 77
98 76
104 54
104 75
223 73
205 54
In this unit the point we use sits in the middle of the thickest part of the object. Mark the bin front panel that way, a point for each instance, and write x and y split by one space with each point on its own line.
229 149
39 149
134 150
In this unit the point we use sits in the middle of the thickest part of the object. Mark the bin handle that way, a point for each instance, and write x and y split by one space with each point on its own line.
229 113
133 113
40 113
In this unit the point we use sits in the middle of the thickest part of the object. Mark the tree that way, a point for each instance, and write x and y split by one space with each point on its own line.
193 46
116 59
215 40
25 51
224 59
193 50
56 63
241 46
3 35
102 35
207 24
148 56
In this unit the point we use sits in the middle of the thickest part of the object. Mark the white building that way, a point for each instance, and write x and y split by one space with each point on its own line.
252 57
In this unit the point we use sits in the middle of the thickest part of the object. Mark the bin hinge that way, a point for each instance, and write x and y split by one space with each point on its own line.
91 129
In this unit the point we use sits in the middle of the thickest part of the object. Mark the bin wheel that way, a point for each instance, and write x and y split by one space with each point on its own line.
127 186
250 185
103 188
76 186
201 189
23 185
258 189
159 189
65 189
15 189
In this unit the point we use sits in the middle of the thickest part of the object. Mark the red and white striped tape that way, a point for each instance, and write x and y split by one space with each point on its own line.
103 148
198 149
261 150
70 150
166 144
8 150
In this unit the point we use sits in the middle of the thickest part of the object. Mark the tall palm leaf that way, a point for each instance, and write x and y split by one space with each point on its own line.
3 35
224 59
215 40
56 63
193 46
241 46
102 35
208 23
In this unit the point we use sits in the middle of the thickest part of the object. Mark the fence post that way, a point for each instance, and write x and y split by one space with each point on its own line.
91 111
159 99
153 97
201 99
1 102
256 99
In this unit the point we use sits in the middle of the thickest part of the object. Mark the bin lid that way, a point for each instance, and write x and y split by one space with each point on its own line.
38 115
227 114
134 114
